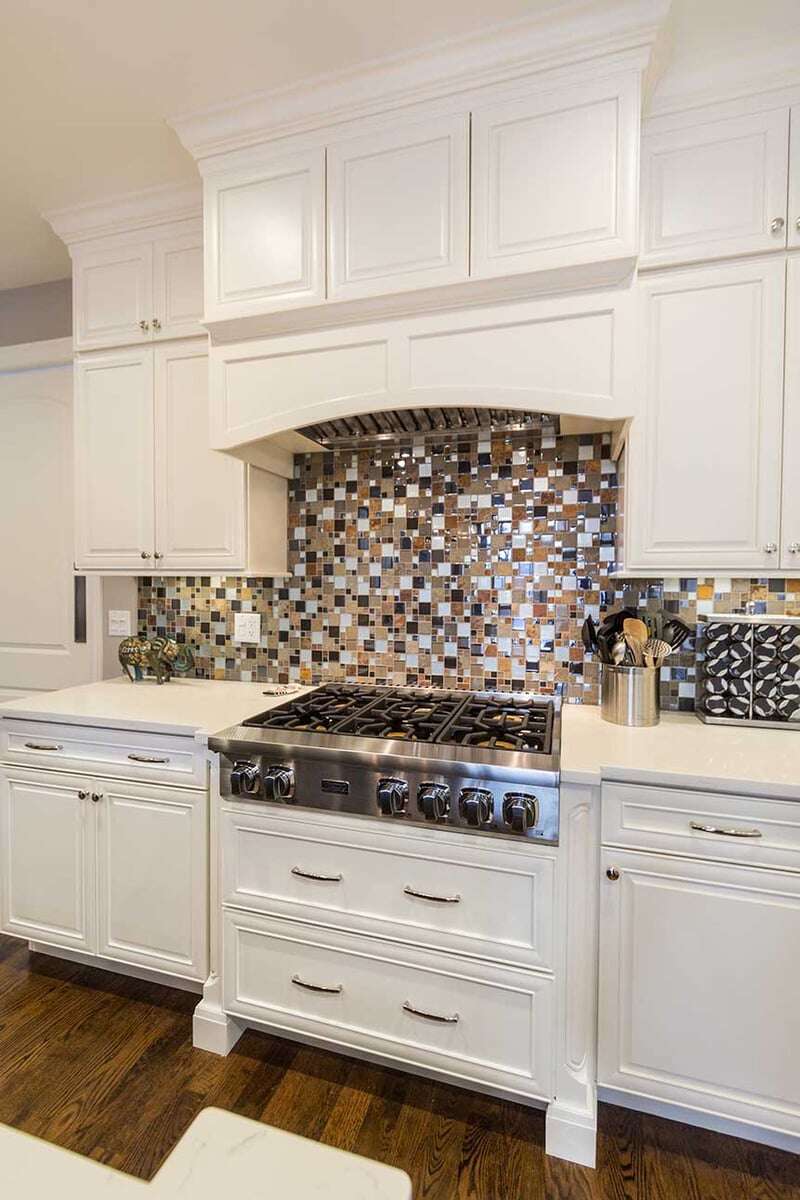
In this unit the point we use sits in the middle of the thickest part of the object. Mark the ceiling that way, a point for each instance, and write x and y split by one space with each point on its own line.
86 85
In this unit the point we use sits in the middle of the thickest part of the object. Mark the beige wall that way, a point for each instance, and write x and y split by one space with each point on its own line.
118 592
36 314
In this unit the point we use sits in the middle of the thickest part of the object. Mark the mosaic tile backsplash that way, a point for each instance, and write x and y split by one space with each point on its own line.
456 563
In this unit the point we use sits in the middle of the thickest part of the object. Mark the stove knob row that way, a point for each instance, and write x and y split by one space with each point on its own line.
476 806
392 796
245 778
279 783
433 801
520 811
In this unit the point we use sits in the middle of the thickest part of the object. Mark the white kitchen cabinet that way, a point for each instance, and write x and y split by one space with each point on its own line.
136 288
699 986
790 525
703 470
555 178
793 222
151 493
48 858
398 208
114 869
714 188
265 235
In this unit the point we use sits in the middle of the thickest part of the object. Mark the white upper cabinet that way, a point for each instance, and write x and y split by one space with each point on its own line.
704 487
555 178
177 286
790 528
794 179
112 294
714 189
398 209
265 236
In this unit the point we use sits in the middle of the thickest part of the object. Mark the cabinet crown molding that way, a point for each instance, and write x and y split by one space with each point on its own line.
121 214
583 32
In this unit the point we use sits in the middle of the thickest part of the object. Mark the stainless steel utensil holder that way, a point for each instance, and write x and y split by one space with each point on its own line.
630 695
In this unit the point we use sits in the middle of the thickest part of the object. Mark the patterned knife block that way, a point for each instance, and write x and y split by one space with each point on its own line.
748 670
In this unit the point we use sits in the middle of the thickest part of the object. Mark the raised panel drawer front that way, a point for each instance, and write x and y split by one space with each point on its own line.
398 210
704 471
488 902
715 189
121 753
112 295
48 849
265 236
471 1020
554 178
741 829
699 984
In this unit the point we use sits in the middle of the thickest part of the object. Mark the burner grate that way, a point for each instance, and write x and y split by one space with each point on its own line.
410 715
322 711
499 723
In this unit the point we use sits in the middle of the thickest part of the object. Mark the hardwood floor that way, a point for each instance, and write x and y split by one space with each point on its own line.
104 1065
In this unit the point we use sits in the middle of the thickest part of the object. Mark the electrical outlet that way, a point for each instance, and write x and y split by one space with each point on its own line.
119 622
247 627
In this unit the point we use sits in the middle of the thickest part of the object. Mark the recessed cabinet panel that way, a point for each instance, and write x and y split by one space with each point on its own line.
398 209
48 833
705 476
114 460
790 528
554 179
200 501
715 190
698 989
178 286
113 295
265 236
794 179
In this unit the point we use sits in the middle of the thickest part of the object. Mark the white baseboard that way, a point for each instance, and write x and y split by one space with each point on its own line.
119 968
571 1134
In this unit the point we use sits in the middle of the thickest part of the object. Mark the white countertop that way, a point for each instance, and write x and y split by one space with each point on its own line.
183 706
221 1154
680 751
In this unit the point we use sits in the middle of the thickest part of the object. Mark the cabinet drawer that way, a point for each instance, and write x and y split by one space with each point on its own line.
751 830
473 1021
121 753
471 898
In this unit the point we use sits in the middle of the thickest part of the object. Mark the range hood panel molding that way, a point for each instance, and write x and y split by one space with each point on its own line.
569 355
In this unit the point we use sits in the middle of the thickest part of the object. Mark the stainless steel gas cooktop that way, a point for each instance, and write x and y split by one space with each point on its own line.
473 761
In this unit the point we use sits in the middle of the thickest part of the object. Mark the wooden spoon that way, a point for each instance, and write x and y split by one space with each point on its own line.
636 629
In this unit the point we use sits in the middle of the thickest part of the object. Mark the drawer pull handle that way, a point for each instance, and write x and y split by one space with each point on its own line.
321 878
317 987
409 891
41 746
419 1012
146 758
745 833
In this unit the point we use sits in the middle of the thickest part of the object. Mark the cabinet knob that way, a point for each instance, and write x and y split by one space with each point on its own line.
157 555
156 323
797 223
794 547
145 554
613 874
83 795
97 796
144 326
777 224
770 548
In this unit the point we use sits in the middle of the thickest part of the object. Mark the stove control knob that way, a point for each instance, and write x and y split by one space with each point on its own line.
520 811
279 783
245 778
476 805
392 796
433 801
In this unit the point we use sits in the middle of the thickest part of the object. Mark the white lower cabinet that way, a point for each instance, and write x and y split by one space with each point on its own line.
699 986
105 867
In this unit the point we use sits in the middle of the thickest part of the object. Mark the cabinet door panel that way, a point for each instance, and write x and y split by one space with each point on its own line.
704 467
112 294
698 986
790 526
265 237
200 493
398 209
48 845
554 179
714 190
152 876
178 285
794 179
114 461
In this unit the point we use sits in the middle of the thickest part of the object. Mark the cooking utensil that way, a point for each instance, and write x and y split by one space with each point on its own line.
589 635
636 647
655 652
675 631
634 628
618 651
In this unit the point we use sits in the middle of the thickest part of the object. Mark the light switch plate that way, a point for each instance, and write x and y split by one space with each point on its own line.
119 622
247 627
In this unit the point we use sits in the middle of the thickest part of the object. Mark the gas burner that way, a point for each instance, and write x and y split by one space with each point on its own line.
408 715
321 711
502 723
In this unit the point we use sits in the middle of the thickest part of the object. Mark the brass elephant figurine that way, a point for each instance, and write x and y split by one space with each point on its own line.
157 656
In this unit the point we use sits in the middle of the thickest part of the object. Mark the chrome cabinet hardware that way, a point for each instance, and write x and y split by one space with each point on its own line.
613 874
145 554
770 548
409 891
83 795
144 326
312 875
156 323
732 832
157 555
797 223
777 224
317 987
42 746
97 796
147 758
794 547
452 1019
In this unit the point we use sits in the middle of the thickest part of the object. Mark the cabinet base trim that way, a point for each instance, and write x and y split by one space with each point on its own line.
703 1120
213 1030
571 1133
119 968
